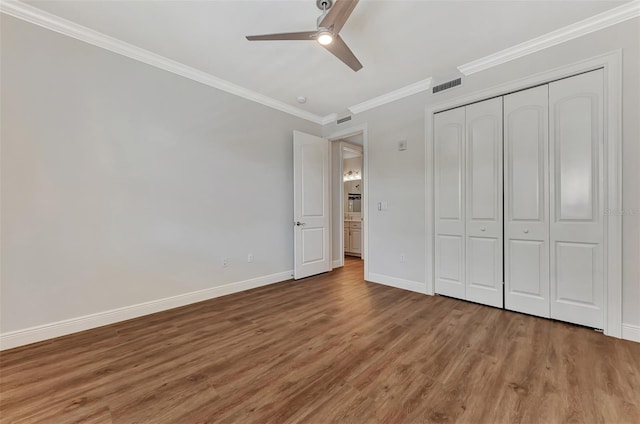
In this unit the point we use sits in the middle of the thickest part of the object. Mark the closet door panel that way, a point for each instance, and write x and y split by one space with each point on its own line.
449 139
483 202
483 276
526 161
527 262
450 260
526 193
576 193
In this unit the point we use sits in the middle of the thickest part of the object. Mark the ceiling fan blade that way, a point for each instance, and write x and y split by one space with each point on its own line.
340 50
307 35
338 14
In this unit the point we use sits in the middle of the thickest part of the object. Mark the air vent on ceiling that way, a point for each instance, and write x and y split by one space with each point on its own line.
447 85
343 119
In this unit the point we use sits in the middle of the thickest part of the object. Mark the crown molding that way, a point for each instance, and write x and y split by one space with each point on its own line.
594 23
329 118
39 17
392 96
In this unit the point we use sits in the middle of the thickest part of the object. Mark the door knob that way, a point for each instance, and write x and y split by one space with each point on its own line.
483 229
525 230
299 224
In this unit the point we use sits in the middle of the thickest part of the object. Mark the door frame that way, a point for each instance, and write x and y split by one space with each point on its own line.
356 149
335 136
612 64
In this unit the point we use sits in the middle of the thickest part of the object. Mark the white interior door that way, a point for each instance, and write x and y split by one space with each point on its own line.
576 199
312 251
526 195
449 132
484 202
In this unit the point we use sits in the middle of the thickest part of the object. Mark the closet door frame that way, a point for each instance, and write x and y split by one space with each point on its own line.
611 63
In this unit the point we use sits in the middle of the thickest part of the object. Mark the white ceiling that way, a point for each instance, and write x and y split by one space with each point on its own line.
398 42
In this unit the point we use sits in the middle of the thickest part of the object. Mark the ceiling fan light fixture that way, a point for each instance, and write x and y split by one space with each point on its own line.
328 25
325 38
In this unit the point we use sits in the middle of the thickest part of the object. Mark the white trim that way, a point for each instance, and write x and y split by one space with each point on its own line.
600 61
337 263
398 283
594 23
631 332
611 63
429 210
71 29
331 252
347 132
613 187
329 118
341 202
60 328
392 96
365 206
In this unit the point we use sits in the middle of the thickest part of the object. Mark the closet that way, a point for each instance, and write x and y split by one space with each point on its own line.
519 201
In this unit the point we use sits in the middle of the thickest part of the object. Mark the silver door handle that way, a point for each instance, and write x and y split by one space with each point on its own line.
299 224
525 231
483 229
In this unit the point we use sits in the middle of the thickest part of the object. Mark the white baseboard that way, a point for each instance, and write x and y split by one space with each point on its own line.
61 328
398 283
631 332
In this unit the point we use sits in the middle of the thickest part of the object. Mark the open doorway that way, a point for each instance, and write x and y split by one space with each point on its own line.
348 200
352 189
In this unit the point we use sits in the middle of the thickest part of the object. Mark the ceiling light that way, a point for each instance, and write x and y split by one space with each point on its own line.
351 175
325 37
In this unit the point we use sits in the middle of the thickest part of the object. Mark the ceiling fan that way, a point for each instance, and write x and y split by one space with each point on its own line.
334 15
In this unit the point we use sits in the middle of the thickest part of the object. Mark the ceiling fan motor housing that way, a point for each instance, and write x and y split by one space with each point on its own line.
324 4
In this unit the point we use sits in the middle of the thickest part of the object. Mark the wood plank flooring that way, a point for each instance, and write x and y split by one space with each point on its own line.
331 348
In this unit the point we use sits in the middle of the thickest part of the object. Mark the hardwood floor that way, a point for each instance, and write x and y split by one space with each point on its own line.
330 348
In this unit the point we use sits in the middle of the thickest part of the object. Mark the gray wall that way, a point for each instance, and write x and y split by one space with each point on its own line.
122 183
399 177
395 177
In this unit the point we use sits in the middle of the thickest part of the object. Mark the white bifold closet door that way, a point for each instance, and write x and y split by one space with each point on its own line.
526 199
554 188
576 199
468 190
